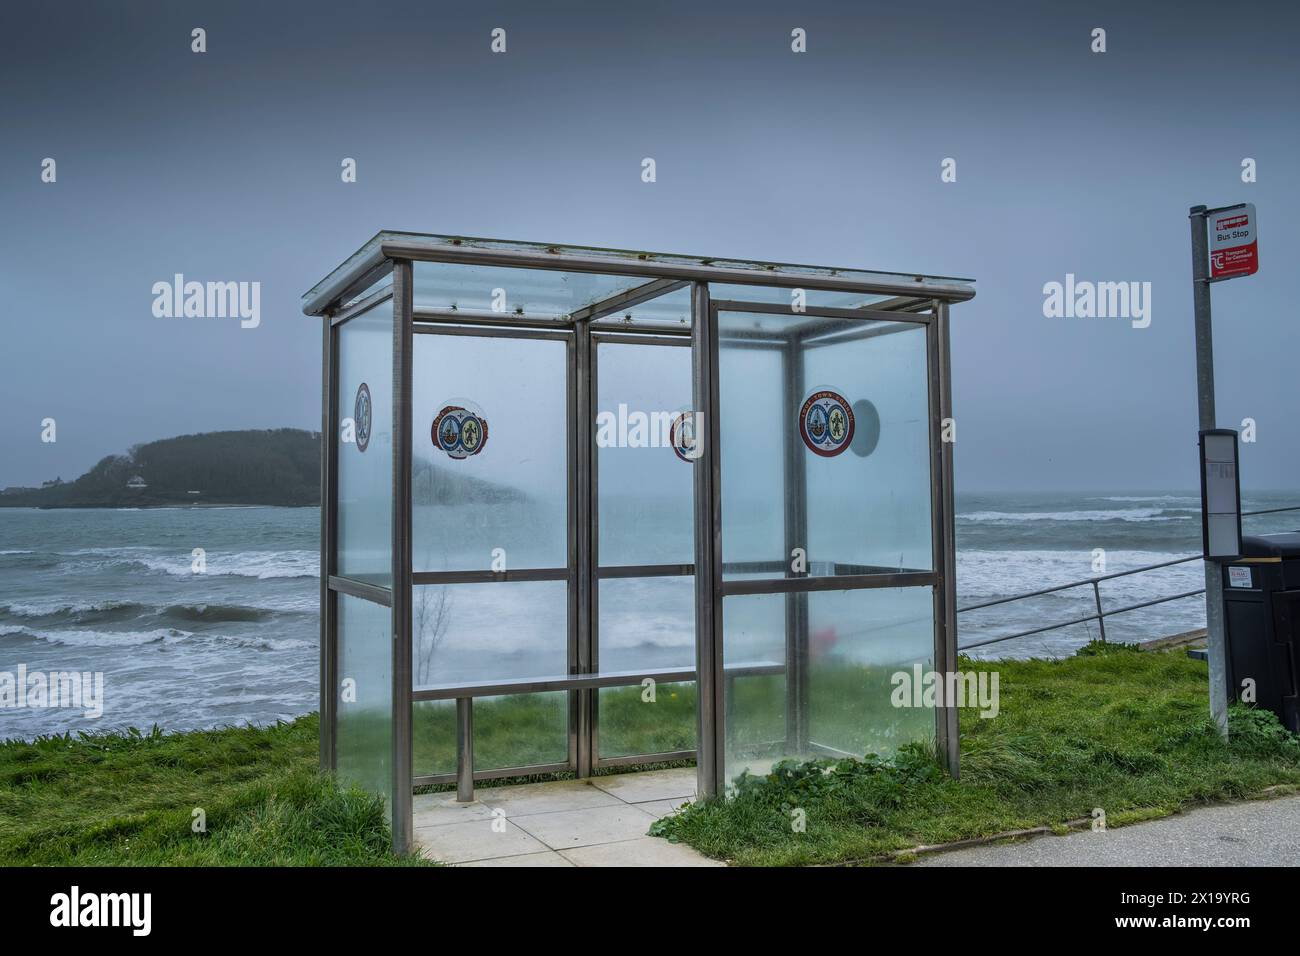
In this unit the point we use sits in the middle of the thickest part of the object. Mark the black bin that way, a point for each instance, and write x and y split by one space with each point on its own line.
1261 613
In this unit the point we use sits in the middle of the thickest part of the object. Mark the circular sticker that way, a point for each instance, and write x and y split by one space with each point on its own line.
826 422
460 430
361 417
682 437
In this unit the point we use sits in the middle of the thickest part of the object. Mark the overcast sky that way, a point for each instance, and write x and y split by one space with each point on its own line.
225 166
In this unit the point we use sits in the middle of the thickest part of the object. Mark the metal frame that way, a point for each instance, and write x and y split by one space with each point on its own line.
941 579
583 331
403 347
616 572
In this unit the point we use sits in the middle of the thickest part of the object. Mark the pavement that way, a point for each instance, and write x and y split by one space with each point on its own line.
601 821
1256 833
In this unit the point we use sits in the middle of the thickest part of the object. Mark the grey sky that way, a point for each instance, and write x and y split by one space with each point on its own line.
225 166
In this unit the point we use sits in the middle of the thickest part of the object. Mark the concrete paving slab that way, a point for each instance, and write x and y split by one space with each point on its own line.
574 828
661 808
647 851
436 809
531 798
652 785
476 840
549 858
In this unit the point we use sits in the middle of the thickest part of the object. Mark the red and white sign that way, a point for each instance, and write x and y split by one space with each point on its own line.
1232 242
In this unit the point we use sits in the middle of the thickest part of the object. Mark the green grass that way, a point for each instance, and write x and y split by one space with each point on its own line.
129 799
1116 729
1124 731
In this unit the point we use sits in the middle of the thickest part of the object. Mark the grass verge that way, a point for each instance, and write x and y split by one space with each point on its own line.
1126 732
130 799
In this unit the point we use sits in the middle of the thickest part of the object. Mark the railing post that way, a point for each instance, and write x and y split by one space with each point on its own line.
1101 615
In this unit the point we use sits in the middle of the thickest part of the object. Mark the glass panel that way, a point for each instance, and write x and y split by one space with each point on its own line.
647 623
825 446
856 641
645 489
365 465
365 696
524 730
754 700
631 723
495 631
923 284
497 502
776 295
645 492
535 293
752 449
671 310
871 506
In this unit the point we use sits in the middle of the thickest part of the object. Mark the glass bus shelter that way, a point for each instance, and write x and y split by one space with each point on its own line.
585 508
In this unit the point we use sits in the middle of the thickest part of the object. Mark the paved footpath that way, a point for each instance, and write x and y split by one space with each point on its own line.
1257 833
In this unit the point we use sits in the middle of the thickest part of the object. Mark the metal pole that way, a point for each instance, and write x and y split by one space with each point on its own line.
704 387
946 563
585 438
401 557
328 523
1101 615
464 750
1205 408
796 536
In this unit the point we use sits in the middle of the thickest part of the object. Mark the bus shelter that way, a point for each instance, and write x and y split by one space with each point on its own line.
587 508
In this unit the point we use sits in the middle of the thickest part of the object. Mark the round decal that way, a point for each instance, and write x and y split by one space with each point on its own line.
460 429
361 417
826 422
682 437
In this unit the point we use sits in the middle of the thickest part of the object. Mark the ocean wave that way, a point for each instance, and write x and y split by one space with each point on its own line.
985 575
262 565
1117 514
99 638
1192 498
216 612
99 612
55 607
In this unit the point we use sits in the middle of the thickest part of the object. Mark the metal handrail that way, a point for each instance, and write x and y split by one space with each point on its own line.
1101 613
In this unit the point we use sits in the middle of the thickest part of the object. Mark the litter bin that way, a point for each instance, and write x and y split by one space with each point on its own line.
1261 613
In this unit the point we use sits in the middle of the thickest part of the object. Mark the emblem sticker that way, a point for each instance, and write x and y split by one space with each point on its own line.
361 417
681 435
460 429
826 422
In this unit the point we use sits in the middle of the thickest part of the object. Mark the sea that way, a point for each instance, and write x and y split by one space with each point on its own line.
208 617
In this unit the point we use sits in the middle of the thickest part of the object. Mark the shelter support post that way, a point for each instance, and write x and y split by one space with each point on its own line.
947 733
708 546
401 567
465 749
796 536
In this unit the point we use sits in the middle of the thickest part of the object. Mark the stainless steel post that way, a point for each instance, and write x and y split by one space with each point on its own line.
1217 652
465 749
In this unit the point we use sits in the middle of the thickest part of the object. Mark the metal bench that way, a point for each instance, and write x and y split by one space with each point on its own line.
464 693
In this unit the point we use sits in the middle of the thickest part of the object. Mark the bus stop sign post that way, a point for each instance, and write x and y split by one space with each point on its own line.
1235 253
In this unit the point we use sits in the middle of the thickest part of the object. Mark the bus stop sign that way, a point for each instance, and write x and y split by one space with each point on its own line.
1233 249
